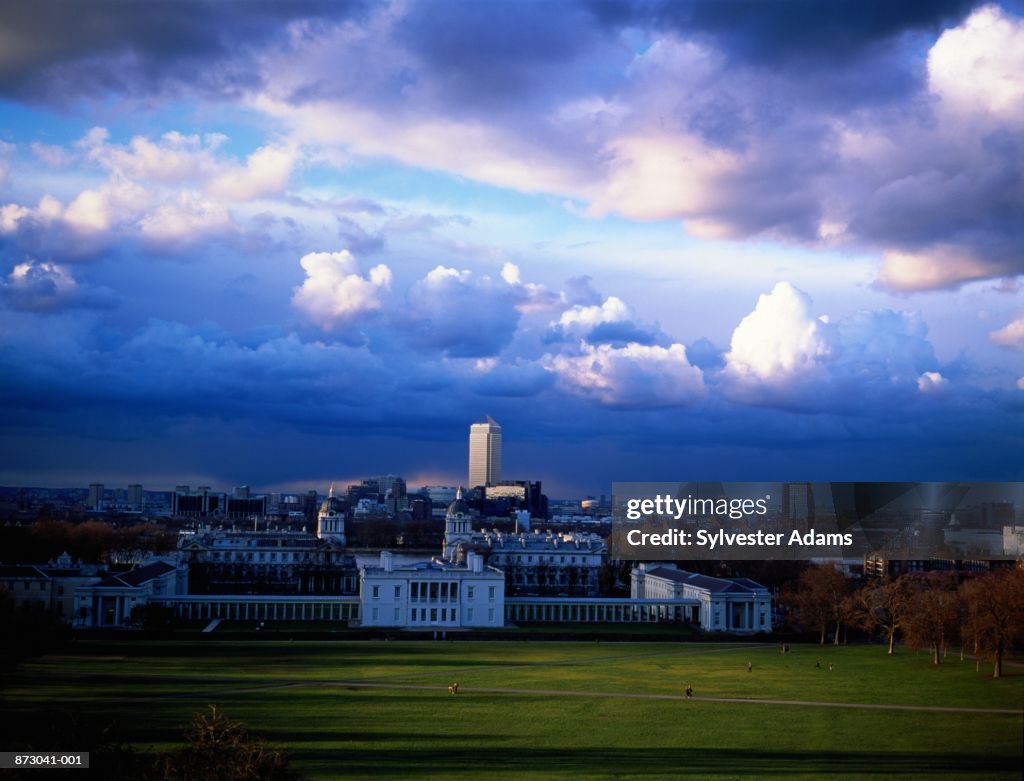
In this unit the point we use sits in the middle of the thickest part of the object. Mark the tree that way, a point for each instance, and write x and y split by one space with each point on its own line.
932 613
883 606
818 599
995 614
221 749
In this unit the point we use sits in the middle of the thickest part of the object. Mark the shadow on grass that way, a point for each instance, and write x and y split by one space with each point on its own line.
677 762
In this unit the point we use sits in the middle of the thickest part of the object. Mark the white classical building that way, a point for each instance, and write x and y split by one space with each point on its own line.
112 602
735 605
432 595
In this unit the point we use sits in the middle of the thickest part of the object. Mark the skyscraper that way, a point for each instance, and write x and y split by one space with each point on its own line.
95 500
484 452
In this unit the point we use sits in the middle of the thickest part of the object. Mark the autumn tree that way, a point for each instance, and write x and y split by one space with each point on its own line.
932 613
818 599
994 605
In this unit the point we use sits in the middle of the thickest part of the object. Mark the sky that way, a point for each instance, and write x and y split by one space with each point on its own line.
281 244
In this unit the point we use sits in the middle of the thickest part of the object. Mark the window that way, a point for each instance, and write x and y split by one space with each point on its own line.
490 615
490 593
444 614
469 615
469 592
398 592
375 613
398 614
376 595
433 614
453 615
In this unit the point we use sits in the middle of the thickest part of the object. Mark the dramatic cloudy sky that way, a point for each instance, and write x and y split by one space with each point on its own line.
284 243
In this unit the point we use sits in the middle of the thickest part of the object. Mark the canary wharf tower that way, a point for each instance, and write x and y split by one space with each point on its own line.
484 452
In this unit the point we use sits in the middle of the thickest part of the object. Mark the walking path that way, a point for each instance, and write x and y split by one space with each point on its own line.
364 684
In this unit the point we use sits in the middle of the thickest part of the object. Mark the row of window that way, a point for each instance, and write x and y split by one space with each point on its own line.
434 592
512 558
250 556
432 615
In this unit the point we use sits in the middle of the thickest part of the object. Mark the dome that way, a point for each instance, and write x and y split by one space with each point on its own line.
331 505
459 506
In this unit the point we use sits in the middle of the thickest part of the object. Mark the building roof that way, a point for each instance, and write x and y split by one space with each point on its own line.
459 506
22 571
707 582
137 576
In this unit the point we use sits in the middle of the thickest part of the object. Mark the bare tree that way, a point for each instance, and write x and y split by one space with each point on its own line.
883 606
995 614
932 614
221 749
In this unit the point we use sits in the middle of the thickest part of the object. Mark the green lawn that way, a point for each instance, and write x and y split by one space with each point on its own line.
414 729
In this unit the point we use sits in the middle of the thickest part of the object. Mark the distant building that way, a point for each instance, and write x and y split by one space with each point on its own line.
330 521
47 587
433 595
266 562
798 505
518 494
1013 541
533 563
206 503
96 493
112 602
135 497
484 453
734 605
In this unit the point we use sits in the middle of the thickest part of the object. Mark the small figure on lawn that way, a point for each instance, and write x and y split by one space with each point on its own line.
689 692
750 667
830 666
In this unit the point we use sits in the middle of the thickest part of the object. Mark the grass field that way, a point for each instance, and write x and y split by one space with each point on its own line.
552 710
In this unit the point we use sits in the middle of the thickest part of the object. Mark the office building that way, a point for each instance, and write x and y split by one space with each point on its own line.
484 453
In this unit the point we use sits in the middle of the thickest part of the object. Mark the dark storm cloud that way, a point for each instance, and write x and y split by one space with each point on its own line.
62 49
789 31
484 52
460 315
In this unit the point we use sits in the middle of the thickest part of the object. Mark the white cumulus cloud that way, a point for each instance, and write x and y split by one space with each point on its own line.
780 342
632 376
334 293
978 66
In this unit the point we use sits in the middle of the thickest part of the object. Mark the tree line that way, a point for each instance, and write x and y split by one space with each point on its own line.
983 613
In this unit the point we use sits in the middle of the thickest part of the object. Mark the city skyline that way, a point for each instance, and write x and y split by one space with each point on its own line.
284 244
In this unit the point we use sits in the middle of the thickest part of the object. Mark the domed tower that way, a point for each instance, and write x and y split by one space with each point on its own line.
457 527
330 521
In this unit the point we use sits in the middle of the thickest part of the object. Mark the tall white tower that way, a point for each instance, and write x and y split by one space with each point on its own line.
484 452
